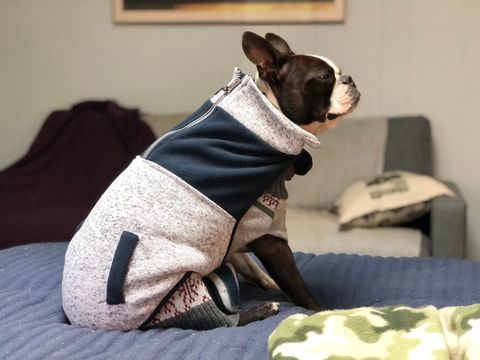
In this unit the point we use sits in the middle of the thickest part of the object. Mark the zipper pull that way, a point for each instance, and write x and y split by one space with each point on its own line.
230 87
234 83
225 89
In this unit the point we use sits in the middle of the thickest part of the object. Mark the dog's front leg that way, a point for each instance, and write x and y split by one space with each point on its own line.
251 272
277 257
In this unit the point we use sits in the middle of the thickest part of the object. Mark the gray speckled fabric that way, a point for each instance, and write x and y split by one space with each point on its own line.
173 229
265 120
139 201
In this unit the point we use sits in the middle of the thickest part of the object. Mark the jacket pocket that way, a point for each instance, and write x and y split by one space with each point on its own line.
118 271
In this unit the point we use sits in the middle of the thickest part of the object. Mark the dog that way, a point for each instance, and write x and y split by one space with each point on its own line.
312 92
203 193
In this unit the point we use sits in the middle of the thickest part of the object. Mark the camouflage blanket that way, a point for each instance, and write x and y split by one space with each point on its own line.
394 333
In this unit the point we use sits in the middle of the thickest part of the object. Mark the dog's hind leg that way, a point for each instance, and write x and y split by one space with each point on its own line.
251 272
194 306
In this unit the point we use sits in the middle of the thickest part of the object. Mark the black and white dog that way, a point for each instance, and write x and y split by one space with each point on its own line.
312 92
309 89
208 189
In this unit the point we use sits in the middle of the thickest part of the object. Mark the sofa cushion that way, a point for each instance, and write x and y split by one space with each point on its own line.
409 145
353 151
393 198
317 232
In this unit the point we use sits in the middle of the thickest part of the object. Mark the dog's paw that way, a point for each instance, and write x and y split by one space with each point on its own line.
270 308
259 312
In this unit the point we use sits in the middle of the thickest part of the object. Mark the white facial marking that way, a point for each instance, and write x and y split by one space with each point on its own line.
340 100
330 63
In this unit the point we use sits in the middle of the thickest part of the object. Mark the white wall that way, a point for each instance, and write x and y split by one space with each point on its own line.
407 57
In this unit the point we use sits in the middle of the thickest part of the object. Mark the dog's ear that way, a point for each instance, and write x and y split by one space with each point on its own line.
279 44
261 52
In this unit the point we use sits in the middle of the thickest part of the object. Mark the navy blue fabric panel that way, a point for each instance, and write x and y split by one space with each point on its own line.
33 325
223 160
118 271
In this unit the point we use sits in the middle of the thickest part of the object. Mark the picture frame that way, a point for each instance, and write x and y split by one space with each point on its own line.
228 11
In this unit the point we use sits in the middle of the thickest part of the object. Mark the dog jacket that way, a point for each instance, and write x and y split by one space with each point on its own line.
174 211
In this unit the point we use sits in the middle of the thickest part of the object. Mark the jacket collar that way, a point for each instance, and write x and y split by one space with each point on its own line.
242 99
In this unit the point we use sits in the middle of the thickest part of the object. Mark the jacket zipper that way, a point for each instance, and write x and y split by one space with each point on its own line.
226 90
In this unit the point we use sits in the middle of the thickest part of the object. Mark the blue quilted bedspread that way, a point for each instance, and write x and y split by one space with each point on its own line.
33 326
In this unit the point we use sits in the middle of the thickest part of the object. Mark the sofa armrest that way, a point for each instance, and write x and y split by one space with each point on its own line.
448 225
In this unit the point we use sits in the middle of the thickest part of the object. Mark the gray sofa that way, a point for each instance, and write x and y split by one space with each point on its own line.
360 149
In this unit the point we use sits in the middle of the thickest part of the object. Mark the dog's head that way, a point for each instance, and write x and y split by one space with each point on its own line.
309 89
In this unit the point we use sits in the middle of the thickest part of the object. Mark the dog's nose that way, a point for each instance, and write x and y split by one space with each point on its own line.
347 80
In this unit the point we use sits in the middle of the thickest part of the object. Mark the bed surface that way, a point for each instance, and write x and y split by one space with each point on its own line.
33 326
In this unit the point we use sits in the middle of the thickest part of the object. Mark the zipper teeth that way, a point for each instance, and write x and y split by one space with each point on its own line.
227 89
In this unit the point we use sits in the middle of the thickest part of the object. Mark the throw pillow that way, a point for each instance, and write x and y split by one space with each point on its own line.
389 199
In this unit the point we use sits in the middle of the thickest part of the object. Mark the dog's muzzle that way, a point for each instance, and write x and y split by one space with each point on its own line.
344 99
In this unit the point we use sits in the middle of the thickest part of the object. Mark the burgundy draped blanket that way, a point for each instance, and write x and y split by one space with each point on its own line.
73 159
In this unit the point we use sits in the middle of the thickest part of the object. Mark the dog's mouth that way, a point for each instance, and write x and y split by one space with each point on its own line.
331 116
353 105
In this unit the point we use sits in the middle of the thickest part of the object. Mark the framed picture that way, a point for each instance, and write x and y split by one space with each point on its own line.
228 11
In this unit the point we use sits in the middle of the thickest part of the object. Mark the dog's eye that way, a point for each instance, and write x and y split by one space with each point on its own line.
325 76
